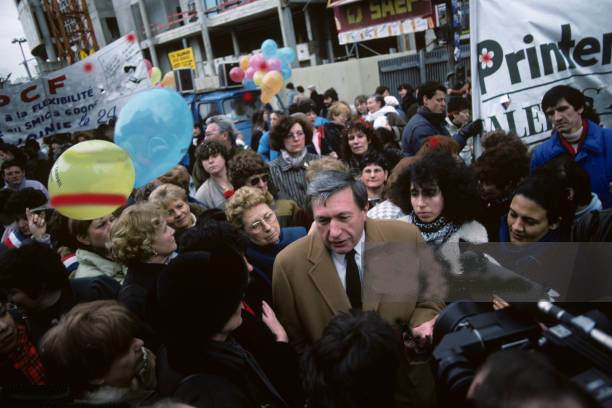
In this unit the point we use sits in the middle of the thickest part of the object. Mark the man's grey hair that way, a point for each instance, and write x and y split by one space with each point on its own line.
225 125
329 182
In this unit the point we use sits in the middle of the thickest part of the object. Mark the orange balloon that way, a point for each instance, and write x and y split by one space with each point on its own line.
272 82
244 62
168 81
265 97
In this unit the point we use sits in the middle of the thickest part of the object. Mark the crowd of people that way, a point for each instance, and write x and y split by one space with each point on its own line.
309 268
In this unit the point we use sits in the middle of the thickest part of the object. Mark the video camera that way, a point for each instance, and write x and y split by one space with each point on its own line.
466 333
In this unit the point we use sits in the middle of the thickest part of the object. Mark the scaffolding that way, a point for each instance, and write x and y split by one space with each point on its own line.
71 29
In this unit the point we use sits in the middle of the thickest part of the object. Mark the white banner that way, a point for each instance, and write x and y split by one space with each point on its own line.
522 48
81 96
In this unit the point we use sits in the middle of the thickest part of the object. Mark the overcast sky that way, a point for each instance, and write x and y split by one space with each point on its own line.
10 56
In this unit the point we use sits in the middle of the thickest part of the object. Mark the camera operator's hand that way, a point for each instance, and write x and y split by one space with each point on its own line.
471 129
425 330
499 303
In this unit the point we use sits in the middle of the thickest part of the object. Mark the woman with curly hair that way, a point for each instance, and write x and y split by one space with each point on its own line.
252 211
288 171
499 170
358 142
141 239
439 195
248 168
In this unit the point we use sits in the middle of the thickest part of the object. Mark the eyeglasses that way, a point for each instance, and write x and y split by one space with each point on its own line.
258 179
297 135
257 226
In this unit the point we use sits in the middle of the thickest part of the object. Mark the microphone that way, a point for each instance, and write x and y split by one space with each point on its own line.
582 323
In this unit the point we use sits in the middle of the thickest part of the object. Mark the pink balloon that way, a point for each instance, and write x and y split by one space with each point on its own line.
274 64
256 61
250 72
148 65
236 74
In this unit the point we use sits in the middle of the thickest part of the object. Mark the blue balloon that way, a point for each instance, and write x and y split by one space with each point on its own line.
286 55
249 84
268 48
155 128
286 72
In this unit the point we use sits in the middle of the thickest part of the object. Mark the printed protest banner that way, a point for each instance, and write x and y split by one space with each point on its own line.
81 96
182 59
373 19
522 48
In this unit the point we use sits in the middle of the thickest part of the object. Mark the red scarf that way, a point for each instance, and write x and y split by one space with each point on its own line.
25 358
568 146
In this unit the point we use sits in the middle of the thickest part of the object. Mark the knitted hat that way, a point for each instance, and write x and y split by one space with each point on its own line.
197 294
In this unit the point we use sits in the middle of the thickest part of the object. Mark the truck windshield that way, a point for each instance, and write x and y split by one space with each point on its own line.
241 107
208 109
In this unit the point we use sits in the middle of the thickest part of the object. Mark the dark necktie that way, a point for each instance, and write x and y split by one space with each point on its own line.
353 283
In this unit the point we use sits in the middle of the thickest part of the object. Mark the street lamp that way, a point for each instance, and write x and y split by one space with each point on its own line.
25 63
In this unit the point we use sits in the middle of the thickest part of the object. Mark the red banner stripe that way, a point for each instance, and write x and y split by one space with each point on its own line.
88 199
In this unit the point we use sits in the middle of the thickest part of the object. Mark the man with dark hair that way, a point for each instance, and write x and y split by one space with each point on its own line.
429 120
329 98
26 224
521 378
321 275
13 172
34 278
589 144
291 92
338 369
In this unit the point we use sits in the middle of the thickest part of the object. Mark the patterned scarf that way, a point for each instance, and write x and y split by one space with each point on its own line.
294 161
25 358
436 232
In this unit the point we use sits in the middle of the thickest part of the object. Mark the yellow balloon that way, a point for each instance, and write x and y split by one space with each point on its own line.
257 78
90 180
155 76
265 97
272 82
168 80
244 62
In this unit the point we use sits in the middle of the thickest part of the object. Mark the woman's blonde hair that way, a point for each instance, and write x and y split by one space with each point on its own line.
325 163
340 108
166 194
133 232
243 200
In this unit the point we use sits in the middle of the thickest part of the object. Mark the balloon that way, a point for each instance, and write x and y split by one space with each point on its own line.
265 97
249 84
236 74
155 128
148 65
168 81
244 62
274 64
272 82
155 76
286 55
258 77
256 61
268 48
250 72
263 66
286 72
90 180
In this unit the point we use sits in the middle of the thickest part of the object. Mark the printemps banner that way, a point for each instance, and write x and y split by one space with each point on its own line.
81 96
522 48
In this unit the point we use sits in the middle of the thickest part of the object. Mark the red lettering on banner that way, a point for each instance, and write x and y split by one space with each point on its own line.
25 97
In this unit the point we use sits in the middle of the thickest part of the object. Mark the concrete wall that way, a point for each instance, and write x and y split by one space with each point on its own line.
125 20
349 78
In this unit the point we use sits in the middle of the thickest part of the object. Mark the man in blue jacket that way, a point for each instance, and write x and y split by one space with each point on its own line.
430 120
573 134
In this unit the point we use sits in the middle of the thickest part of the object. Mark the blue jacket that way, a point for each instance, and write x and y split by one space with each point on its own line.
595 157
264 148
423 124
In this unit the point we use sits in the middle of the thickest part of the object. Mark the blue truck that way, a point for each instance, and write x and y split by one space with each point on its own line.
237 104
